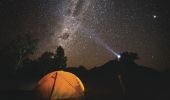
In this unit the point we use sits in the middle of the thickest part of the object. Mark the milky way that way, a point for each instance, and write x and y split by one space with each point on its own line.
91 24
90 30
73 12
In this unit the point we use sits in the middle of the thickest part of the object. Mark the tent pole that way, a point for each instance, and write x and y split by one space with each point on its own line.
53 86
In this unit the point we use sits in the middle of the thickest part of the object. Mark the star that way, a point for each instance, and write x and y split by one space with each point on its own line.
154 16
153 57
99 26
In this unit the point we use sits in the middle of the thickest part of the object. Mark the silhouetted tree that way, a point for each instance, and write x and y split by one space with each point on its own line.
46 62
22 47
13 54
60 58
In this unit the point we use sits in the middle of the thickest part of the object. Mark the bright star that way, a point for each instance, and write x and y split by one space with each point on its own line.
154 16
118 56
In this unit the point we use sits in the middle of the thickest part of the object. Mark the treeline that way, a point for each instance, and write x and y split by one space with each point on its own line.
15 61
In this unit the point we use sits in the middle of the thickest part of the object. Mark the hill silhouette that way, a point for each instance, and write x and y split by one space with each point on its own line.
119 79
140 82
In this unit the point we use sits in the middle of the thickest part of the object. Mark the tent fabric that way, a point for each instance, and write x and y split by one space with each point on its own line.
60 85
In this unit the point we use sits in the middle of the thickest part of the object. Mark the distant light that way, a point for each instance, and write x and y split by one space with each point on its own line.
118 56
154 16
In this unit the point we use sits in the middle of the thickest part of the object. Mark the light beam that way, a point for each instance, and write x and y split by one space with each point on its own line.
100 41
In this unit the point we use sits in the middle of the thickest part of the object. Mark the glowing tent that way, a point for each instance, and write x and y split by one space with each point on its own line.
60 85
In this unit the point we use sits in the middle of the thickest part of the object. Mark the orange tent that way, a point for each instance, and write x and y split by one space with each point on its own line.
60 85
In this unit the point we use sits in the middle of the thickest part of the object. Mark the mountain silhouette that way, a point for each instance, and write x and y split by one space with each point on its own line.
114 80
139 82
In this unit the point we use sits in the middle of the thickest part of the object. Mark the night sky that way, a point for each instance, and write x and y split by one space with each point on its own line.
90 30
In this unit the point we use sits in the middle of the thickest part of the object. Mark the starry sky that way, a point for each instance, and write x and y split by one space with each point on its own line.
91 31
